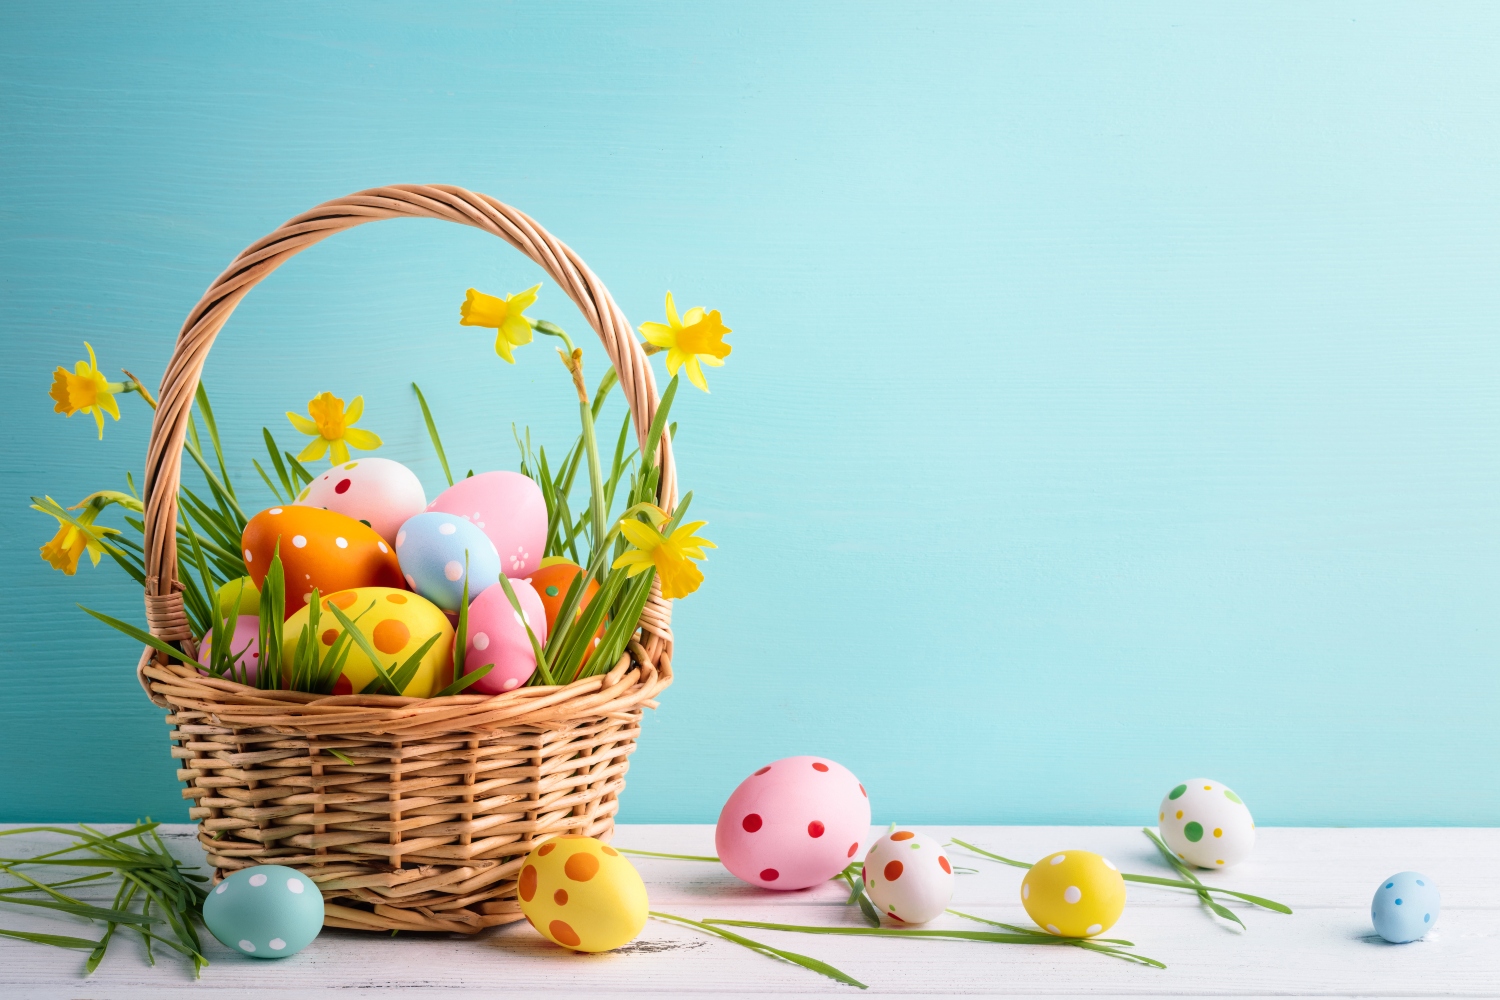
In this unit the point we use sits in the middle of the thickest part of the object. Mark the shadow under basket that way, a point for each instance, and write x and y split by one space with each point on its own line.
410 814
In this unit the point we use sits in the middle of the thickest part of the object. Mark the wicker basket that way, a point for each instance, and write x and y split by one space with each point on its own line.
427 827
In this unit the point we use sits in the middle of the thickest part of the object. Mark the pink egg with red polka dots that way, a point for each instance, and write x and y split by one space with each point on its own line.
793 824
508 507
377 491
497 635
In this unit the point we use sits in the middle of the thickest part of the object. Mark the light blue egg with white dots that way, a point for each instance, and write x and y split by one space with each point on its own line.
431 548
269 911
1405 907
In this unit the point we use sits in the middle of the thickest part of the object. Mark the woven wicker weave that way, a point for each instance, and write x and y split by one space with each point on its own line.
408 813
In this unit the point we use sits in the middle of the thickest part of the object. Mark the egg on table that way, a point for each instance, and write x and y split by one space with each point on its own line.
794 823
1405 907
1206 824
908 877
319 548
434 550
581 894
506 506
551 583
1073 894
244 643
379 492
268 911
497 636
396 623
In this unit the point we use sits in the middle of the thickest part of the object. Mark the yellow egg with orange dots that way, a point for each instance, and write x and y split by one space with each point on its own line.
582 894
1074 894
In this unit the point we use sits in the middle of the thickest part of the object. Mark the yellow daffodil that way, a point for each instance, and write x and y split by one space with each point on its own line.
672 555
332 429
694 340
504 316
86 390
75 535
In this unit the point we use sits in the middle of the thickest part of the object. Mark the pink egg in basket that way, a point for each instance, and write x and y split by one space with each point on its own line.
245 641
508 507
793 824
497 635
377 491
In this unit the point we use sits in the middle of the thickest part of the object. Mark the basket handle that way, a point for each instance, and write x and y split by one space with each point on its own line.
165 615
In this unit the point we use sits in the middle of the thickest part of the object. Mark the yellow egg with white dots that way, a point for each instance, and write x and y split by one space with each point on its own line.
1074 894
581 894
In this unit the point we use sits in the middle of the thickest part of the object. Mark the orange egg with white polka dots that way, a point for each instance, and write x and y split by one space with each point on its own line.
319 548
396 623
582 894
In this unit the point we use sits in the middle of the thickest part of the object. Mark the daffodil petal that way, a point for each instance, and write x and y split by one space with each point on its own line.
658 334
339 452
693 316
107 402
316 449
98 419
355 410
517 329
709 359
502 347
358 437
640 534
672 319
695 372
302 424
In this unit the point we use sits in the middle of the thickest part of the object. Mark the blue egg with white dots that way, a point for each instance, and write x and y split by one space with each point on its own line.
432 547
1405 907
268 911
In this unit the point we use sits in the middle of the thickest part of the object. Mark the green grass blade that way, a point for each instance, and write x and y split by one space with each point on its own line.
674 857
274 450
460 683
145 638
432 432
55 940
806 962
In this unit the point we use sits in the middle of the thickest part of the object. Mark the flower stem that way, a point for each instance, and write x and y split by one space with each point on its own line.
574 363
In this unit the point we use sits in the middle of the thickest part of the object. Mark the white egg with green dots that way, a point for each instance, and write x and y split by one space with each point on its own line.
268 911
1206 824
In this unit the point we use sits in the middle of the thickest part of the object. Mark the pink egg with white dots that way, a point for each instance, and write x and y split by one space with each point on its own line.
244 644
497 635
377 491
508 507
793 824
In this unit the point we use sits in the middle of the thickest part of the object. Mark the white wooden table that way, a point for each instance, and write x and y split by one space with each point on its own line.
1326 948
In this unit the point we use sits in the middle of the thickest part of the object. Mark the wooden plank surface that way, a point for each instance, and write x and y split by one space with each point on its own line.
1326 948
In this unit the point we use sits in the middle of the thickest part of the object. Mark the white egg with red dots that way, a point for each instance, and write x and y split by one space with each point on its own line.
1206 824
908 877
795 823
377 491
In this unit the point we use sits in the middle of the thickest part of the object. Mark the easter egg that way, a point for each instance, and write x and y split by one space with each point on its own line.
497 635
242 592
433 549
244 643
376 491
506 506
319 548
1405 907
793 823
1206 824
908 877
581 894
269 911
1073 894
551 583
396 622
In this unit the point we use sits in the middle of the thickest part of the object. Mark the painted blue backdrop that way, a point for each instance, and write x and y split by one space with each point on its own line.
1113 396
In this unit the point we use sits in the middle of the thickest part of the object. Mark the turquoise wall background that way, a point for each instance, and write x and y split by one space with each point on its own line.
1113 397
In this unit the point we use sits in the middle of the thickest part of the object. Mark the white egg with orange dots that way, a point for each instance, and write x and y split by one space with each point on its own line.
396 623
1206 824
1074 894
908 877
582 894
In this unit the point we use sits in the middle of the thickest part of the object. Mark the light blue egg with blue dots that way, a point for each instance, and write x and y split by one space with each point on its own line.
269 911
431 548
1405 907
